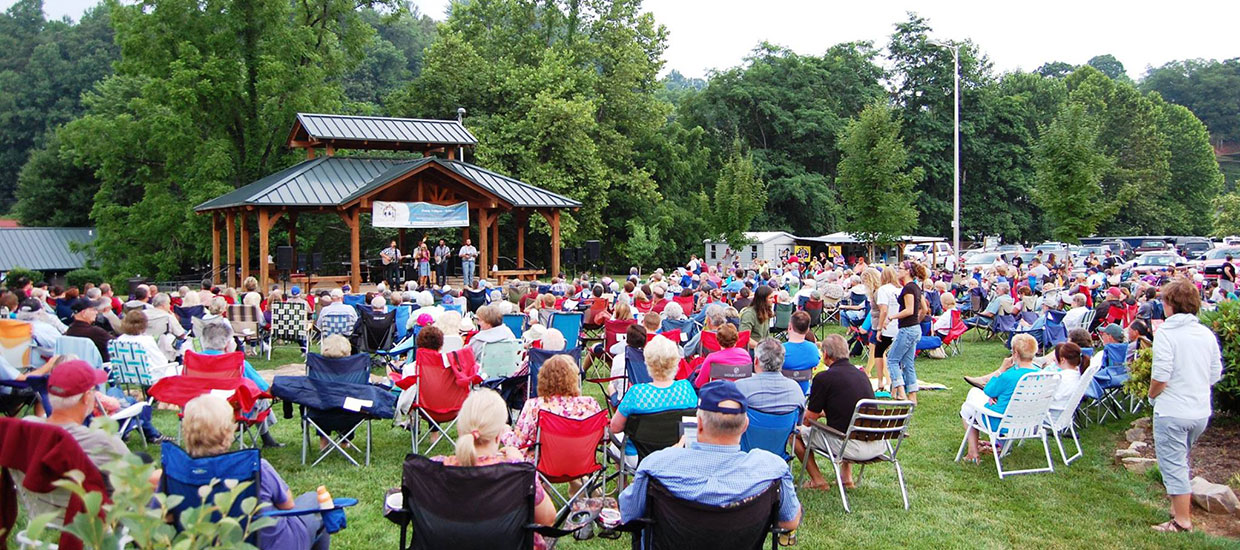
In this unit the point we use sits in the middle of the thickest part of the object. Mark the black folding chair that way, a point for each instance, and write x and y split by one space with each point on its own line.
375 332
478 508
649 433
672 523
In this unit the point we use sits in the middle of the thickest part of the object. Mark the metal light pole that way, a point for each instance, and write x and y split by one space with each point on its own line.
955 48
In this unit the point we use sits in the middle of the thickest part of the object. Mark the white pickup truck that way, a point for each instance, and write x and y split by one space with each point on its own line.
923 252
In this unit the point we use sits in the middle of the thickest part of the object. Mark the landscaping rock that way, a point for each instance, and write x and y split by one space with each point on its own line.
1138 445
1144 423
1138 465
1125 453
1134 434
1213 497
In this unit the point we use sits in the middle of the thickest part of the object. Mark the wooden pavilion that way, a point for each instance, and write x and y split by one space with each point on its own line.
349 185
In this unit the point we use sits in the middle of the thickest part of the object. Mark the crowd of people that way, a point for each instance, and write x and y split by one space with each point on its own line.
718 339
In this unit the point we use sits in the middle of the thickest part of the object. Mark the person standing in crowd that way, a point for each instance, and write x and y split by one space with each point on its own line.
468 255
1187 362
423 256
442 252
884 326
908 319
1227 278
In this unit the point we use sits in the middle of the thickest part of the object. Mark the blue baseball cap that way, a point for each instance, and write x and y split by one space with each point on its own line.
714 393
295 291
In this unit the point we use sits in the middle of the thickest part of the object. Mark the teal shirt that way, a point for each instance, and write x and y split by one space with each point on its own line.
1003 386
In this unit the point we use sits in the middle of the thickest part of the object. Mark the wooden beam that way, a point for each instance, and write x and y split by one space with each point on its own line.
331 151
484 229
555 243
264 247
245 245
523 220
215 248
494 240
292 235
309 153
355 249
230 226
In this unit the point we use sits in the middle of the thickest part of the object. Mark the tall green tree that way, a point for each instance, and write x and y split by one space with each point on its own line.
878 187
1108 65
1209 88
1194 170
1069 175
1226 218
44 68
53 189
193 112
740 196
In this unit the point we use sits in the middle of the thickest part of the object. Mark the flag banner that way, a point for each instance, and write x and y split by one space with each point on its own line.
421 215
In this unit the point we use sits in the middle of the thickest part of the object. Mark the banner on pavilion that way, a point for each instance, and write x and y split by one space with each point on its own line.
419 215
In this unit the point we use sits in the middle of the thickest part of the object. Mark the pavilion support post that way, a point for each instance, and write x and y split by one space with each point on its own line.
523 220
355 249
553 220
292 235
215 248
230 229
484 227
245 245
400 240
495 241
264 247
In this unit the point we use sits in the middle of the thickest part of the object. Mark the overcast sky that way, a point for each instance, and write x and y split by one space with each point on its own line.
717 34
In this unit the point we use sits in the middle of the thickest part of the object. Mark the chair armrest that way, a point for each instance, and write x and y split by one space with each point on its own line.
635 525
605 380
337 504
823 427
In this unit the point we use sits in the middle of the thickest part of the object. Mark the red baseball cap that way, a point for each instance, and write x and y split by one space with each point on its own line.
1114 292
74 378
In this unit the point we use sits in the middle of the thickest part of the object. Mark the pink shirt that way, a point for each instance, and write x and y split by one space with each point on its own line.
729 356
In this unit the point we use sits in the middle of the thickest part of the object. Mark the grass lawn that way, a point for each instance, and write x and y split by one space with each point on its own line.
1091 503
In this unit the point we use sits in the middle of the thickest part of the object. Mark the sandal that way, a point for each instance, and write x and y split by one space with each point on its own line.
1171 526
977 460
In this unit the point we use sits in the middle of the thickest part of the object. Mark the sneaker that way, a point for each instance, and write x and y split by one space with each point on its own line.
975 382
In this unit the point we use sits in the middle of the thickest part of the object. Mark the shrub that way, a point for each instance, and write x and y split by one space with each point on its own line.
35 276
1138 384
1225 322
79 277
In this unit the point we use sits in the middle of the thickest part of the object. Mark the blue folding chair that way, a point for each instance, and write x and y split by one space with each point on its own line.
1108 385
516 323
539 356
569 324
355 300
186 476
334 396
688 329
83 348
403 312
770 431
186 315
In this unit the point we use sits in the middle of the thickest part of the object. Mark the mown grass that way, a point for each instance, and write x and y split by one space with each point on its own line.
1092 503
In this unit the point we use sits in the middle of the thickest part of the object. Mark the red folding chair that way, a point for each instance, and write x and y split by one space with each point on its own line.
958 328
438 398
566 449
223 372
710 341
613 332
686 303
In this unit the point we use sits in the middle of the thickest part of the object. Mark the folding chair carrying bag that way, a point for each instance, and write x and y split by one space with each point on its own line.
469 508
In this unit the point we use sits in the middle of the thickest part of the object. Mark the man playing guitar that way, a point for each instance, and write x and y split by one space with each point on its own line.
391 264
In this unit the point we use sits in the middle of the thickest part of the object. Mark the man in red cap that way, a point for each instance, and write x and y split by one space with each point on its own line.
71 393
1114 298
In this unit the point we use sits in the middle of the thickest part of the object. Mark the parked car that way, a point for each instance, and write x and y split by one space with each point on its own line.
1152 245
1025 257
1059 250
1151 262
923 252
983 260
1192 247
1212 265
1119 248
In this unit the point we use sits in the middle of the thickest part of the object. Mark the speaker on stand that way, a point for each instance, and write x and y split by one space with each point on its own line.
593 253
284 264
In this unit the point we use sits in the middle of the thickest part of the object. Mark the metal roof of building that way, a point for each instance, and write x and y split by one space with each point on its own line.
384 129
332 181
43 248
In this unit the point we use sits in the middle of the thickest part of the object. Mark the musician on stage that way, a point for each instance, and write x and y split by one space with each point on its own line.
391 264
469 257
423 256
442 252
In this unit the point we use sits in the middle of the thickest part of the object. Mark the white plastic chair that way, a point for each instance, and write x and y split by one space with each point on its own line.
1023 419
1064 420
129 415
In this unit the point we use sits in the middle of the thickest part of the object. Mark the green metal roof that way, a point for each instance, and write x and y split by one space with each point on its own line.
333 181
324 127
43 248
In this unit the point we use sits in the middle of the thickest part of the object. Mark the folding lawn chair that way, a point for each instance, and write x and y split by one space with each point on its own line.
872 420
83 348
672 522
228 371
1060 421
478 508
335 323
783 315
710 341
247 323
1024 418
569 324
290 323
516 323
199 479
334 396
634 373
186 315
438 399
1108 383
539 356
375 331
730 372
130 366
957 330
649 432
614 331
566 449
770 431
686 328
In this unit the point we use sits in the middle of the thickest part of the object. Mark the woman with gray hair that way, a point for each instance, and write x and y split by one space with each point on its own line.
673 311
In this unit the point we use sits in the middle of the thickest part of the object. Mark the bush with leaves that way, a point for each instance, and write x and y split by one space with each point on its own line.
1138 384
135 517
1225 322
18 272
79 277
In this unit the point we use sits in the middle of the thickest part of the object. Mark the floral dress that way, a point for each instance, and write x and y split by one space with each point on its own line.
576 407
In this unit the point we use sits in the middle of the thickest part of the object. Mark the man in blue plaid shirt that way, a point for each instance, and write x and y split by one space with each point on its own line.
713 470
